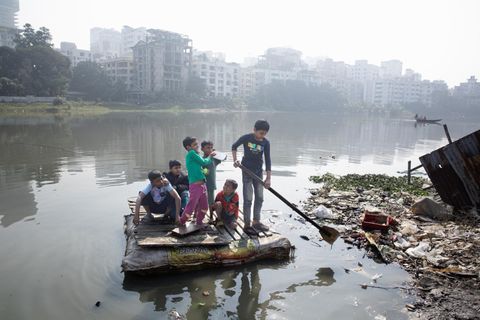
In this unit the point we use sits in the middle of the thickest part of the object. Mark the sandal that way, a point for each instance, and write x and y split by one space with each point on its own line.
251 231
260 226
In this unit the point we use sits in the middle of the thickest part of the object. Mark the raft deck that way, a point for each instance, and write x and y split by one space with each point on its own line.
157 234
152 248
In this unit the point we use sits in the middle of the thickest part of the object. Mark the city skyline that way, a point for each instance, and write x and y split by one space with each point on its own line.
436 39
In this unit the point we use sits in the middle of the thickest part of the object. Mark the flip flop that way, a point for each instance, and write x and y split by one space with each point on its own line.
251 231
260 226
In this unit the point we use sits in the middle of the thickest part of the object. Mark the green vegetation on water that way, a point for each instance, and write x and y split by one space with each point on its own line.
372 181
39 109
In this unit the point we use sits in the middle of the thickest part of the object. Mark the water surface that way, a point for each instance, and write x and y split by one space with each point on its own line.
63 190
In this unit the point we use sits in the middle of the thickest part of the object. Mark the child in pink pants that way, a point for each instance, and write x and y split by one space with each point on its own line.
198 202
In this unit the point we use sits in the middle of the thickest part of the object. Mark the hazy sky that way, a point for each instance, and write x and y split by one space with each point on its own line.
438 38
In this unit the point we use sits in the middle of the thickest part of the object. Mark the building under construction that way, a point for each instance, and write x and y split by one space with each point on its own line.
162 64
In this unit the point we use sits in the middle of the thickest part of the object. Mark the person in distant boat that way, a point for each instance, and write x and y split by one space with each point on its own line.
179 181
198 201
226 204
255 148
210 172
157 197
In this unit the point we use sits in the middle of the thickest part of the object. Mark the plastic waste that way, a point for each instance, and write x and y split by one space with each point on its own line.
408 228
419 251
323 212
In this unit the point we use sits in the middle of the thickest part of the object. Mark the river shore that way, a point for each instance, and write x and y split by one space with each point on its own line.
438 247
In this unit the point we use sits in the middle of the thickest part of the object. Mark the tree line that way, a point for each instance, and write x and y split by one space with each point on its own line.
35 68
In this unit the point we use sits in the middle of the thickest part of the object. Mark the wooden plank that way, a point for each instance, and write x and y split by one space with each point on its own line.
152 240
154 228
222 228
183 231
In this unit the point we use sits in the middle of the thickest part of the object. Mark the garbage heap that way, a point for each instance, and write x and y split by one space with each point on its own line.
437 245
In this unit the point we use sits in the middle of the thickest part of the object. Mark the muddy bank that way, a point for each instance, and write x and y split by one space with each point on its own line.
437 246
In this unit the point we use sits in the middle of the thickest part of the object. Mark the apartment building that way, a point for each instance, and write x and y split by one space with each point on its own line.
162 63
75 55
120 70
8 22
222 79
129 38
105 43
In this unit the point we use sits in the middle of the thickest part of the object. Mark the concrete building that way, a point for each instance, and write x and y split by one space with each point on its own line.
222 79
162 63
286 59
391 69
105 43
75 55
470 91
405 90
120 70
8 22
129 38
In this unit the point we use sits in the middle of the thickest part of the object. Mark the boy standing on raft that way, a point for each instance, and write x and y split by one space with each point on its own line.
198 201
255 148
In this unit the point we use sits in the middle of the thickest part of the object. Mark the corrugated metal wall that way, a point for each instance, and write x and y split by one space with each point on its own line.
455 171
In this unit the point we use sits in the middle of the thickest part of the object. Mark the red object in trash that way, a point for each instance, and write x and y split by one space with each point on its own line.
376 221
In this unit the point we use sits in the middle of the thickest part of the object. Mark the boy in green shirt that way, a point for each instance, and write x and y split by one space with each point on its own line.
198 201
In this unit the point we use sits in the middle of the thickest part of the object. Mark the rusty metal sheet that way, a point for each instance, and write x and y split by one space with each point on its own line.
455 171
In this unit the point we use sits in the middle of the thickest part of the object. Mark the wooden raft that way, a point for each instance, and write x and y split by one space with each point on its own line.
157 234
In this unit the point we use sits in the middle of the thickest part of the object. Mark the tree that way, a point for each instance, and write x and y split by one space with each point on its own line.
28 37
44 71
89 78
298 96
9 87
196 86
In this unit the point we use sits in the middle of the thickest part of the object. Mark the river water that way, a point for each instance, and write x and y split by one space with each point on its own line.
63 189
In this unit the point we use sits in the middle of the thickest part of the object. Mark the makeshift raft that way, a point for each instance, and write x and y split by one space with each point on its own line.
152 248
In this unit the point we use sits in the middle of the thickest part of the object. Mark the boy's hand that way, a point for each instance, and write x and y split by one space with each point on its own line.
165 181
213 154
136 220
237 164
267 183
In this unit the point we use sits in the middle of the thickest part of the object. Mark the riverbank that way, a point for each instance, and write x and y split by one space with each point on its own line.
439 249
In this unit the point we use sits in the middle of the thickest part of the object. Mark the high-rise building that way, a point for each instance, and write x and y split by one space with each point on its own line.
75 55
162 63
105 43
280 58
130 37
222 79
470 91
391 69
8 22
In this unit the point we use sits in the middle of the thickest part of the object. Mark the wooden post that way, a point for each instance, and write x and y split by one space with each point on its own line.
409 172
447 133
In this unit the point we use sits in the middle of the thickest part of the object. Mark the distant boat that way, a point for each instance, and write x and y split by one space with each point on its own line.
428 120
425 120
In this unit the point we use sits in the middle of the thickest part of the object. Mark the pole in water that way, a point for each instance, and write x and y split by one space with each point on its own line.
447 133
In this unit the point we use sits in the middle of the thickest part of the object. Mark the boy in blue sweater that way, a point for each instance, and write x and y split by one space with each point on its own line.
255 148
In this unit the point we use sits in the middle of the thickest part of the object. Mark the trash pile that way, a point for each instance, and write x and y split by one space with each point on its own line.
400 222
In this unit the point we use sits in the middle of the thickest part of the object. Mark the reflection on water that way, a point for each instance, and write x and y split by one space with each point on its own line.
63 185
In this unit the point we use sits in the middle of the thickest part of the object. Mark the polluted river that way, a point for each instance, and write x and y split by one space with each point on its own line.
64 184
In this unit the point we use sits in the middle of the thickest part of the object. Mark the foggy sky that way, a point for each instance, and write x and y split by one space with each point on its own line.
438 38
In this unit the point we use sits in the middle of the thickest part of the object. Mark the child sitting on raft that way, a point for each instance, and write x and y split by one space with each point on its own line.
226 204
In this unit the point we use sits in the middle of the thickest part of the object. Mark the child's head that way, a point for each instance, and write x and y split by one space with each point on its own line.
190 143
229 186
175 167
207 147
155 178
260 129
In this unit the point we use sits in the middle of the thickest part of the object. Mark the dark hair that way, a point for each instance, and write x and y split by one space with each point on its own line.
262 125
188 141
154 174
233 183
174 163
206 143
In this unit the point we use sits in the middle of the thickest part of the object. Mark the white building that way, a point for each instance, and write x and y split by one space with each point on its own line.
120 70
391 69
130 37
162 64
75 55
105 43
222 79
281 58
8 22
